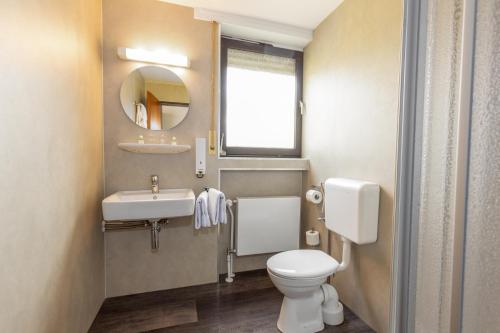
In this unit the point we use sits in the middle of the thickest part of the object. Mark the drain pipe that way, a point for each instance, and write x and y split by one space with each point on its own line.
346 255
155 234
332 309
230 251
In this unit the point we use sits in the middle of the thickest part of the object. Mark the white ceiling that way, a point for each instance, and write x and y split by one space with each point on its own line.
306 14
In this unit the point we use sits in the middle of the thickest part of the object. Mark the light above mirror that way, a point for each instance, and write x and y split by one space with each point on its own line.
155 98
156 57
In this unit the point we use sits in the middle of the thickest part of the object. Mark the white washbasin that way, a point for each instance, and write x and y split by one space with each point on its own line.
144 205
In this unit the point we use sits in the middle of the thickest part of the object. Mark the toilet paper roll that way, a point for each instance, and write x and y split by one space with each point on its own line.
314 196
312 237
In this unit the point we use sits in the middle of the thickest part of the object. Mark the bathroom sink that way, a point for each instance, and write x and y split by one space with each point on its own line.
144 205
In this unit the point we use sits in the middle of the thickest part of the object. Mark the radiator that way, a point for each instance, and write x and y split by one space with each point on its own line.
267 225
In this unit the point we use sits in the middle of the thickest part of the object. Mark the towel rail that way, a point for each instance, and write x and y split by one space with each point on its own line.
154 225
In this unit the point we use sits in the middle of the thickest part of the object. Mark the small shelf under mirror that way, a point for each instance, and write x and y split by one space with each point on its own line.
153 148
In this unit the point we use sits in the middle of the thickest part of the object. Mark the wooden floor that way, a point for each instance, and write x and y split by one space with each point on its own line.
250 304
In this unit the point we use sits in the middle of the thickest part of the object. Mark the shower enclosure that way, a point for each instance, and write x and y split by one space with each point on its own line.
447 259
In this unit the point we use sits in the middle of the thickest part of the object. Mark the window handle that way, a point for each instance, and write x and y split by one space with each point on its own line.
221 150
302 109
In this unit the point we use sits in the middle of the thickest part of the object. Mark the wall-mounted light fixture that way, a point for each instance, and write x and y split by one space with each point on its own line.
156 57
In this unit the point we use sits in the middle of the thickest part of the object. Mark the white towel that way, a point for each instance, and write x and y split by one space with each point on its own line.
201 218
216 206
141 115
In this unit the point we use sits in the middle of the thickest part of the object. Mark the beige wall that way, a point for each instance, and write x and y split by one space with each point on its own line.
51 246
186 257
166 92
350 129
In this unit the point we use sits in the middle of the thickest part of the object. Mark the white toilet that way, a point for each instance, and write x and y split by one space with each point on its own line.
351 210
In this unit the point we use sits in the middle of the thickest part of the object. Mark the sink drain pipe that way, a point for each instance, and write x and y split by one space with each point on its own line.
155 234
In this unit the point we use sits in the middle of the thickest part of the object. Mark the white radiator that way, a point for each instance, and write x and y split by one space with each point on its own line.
267 225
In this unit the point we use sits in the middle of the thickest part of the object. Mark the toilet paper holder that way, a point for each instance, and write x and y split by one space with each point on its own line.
321 188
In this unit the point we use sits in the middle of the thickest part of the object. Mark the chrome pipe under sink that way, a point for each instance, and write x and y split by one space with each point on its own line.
155 234
154 225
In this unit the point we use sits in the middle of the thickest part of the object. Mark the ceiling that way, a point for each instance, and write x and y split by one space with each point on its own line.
307 14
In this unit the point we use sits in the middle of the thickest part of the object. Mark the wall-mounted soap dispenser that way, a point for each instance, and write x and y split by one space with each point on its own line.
201 157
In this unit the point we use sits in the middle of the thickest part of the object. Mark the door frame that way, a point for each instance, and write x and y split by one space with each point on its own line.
407 196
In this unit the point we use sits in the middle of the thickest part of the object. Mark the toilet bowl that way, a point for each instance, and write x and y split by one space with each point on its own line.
308 301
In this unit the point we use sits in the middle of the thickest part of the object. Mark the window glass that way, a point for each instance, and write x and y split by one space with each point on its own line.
260 107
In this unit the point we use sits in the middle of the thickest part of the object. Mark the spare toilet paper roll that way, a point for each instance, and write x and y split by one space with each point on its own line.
312 237
314 196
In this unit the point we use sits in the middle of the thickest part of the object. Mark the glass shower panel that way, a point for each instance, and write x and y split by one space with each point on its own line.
439 149
481 298
458 278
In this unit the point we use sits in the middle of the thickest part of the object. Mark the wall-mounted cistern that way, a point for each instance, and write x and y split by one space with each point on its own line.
155 187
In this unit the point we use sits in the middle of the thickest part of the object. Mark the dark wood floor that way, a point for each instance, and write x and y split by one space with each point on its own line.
250 304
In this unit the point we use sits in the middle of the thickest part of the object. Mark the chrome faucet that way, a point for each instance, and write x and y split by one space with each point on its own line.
155 184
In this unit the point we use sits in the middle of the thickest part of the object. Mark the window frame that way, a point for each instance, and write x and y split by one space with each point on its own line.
228 43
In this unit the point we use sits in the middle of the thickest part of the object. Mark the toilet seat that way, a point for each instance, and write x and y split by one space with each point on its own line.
302 264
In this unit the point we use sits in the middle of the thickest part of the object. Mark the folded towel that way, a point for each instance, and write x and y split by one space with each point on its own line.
216 206
201 218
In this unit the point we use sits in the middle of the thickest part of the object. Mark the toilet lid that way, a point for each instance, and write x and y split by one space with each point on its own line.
302 264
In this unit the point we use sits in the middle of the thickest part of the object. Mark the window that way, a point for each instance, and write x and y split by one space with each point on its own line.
261 90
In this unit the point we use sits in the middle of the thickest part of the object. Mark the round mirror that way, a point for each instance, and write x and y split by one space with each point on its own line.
155 98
